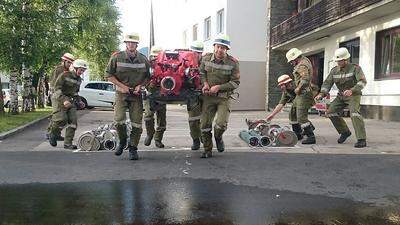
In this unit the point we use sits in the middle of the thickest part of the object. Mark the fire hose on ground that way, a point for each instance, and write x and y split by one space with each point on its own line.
261 133
102 138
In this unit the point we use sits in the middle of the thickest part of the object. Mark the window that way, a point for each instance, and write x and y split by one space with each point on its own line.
354 48
94 86
304 4
220 21
195 32
387 55
207 28
108 87
311 2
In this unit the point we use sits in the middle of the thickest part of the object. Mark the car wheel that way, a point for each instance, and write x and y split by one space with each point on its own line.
85 103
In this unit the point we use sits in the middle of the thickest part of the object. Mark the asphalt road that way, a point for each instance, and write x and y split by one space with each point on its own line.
174 186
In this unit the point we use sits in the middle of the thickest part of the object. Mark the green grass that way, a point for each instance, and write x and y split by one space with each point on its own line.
9 122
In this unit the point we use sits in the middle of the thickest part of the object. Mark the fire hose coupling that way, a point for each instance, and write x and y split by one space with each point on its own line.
104 137
262 134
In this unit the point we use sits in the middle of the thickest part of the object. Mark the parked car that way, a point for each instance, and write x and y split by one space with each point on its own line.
97 94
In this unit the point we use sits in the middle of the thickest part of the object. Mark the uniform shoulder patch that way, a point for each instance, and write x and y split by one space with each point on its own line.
115 53
207 56
233 58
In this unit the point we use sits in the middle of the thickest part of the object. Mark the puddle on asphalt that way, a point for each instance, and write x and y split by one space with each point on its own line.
179 202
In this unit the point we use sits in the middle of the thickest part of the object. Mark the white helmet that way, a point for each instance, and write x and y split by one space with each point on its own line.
133 37
284 79
80 63
197 46
68 57
224 40
341 53
155 50
293 54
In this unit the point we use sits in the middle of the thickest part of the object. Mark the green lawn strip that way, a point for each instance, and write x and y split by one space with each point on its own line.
9 122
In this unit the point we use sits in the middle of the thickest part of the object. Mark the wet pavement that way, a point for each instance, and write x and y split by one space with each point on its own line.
322 184
180 201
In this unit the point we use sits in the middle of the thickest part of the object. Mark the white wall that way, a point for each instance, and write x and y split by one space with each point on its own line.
246 24
367 32
247 28
196 12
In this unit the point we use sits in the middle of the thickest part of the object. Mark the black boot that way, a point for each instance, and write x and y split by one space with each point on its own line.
133 155
53 140
343 137
60 138
147 140
361 143
308 131
70 146
298 131
159 144
120 148
220 144
196 144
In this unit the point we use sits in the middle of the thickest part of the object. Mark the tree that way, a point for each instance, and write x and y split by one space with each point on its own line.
35 33
1 98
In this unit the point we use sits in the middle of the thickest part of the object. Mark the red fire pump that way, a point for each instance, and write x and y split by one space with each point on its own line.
176 78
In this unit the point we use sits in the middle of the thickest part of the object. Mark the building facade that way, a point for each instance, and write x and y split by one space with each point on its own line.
370 29
245 23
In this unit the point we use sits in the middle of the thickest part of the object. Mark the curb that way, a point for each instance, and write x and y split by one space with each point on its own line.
21 128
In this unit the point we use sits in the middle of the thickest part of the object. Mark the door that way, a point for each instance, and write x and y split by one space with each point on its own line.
317 60
108 94
93 94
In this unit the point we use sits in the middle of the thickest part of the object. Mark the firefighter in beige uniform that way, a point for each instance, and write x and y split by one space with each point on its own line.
220 77
129 71
66 61
350 80
195 112
64 101
161 112
304 100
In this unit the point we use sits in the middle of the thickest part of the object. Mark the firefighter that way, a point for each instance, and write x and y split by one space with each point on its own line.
197 46
66 60
195 111
285 83
65 101
161 111
304 100
350 80
129 71
220 77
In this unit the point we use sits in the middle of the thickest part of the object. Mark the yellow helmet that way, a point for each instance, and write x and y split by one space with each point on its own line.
284 79
197 46
133 37
293 54
80 63
68 57
155 50
223 39
341 53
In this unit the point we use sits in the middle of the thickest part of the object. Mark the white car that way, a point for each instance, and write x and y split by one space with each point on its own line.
97 94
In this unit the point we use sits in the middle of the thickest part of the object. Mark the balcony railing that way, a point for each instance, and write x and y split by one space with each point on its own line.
318 15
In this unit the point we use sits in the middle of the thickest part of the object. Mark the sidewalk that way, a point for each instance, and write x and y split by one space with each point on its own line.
382 137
